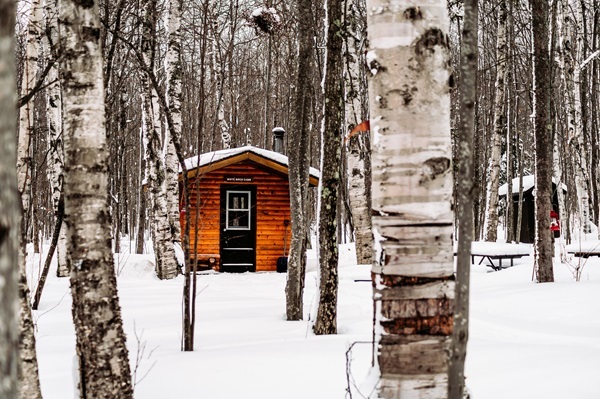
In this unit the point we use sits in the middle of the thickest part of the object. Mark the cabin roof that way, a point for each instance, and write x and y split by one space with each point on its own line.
210 161
528 183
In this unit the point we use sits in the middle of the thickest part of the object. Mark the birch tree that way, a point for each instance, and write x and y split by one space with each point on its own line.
10 205
174 70
326 322
100 341
162 235
565 64
571 77
299 163
359 148
412 185
29 385
543 140
55 139
491 225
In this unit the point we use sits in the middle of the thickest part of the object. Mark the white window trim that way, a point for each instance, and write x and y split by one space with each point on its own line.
248 209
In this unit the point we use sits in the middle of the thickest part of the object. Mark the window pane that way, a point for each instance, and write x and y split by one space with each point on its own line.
240 219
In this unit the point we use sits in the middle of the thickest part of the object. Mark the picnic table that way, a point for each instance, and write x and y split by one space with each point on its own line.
584 249
498 251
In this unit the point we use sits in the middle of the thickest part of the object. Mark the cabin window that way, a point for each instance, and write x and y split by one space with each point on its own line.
238 210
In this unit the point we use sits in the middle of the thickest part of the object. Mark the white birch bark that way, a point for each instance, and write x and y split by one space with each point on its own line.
491 209
570 72
218 76
164 253
559 192
55 139
162 235
564 45
103 359
29 385
358 158
174 72
11 208
412 186
26 117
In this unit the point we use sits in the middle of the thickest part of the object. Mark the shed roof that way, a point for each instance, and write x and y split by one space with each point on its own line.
528 183
210 161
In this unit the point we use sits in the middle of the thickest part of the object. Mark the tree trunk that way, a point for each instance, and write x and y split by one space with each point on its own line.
53 243
299 152
326 322
543 141
359 147
10 205
174 95
162 234
412 192
26 116
55 137
465 188
29 385
570 76
103 363
491 225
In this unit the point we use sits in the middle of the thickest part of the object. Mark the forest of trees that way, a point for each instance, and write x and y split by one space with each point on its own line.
101 102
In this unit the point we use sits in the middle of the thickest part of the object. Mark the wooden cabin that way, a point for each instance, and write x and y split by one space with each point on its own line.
240 208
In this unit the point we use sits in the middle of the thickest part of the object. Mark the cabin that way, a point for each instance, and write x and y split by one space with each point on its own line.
527 234
240 209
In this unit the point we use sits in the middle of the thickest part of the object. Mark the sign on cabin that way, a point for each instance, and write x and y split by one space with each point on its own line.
238 179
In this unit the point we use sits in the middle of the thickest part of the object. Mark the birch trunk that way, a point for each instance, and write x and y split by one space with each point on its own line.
29 385
565 59
26 117
359 151
299 165
162 234
412 192
543 141
55 138
10 205
570 73
103 364
326 322
491 221
174 95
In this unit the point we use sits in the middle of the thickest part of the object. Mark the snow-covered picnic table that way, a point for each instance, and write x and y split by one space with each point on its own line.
499 251
584 249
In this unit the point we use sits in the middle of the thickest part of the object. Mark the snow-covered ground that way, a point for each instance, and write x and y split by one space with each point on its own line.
526 340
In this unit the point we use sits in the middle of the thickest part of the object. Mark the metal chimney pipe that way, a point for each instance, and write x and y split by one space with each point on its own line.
278 133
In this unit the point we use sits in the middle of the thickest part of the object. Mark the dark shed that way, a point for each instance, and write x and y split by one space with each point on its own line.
527 227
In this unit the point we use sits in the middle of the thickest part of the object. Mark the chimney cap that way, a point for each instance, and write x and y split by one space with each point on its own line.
278 130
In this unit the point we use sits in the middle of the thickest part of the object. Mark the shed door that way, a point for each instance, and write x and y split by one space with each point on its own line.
238 228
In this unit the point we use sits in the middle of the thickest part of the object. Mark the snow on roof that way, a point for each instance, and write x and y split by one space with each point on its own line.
528 183
215 156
